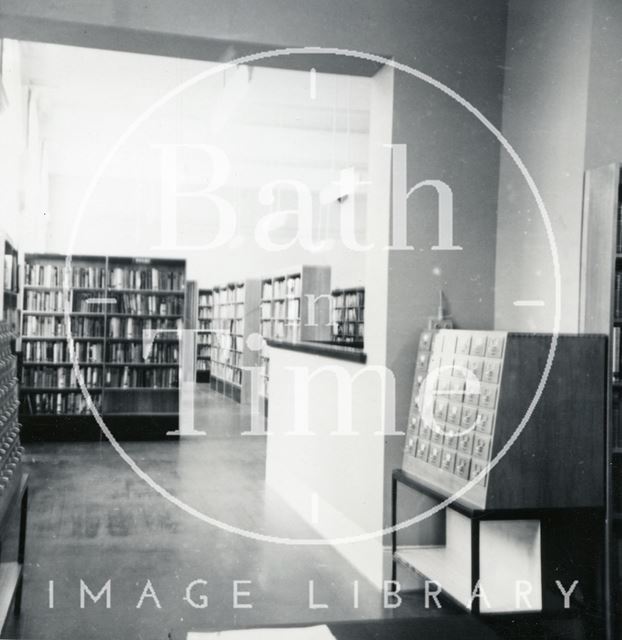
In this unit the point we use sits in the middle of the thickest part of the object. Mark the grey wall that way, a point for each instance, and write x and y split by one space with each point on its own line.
604 121
544 118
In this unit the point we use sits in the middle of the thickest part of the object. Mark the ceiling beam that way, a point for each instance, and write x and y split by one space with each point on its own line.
115 38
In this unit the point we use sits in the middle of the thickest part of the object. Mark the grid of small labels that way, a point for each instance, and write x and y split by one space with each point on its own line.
452 416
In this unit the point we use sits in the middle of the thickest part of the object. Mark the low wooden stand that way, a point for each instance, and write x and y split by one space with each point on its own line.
12 572
558 530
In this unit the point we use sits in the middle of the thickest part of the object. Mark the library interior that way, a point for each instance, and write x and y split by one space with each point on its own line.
310 322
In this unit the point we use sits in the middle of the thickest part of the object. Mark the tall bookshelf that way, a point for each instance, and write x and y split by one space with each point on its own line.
125 316
295 306
10 289
234 317
204 334
601 312
348 316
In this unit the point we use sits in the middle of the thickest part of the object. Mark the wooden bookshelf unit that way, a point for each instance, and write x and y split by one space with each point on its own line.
125 316
348 317
234 317
204 334
295 307
601 311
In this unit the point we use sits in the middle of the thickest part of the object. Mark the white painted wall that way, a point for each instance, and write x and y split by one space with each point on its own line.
343 475
23 161
12 141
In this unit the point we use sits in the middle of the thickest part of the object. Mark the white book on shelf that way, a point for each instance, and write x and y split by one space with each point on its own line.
615 351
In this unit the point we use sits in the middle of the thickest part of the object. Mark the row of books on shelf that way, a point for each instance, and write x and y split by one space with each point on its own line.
154 278
141 304
616 356
228 312
94 277
55 403
205 299
203 352
227 342
58 351
617 298
51 275
226 372
159 353
65 377
205 313
228 295
85 303
88 327
82 302
61 377
223 356
203 365
280 330
135 327
355 298
348 314
281 288
204 338
130 377
225 325
616 421
55 326
55 302
44 301
281 309
349 331
264 375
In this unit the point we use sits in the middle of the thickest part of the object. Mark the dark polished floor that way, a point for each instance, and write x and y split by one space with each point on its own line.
92 518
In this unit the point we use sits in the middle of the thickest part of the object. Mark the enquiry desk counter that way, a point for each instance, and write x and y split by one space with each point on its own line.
325 457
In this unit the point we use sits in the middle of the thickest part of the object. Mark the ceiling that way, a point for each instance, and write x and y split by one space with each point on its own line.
260 117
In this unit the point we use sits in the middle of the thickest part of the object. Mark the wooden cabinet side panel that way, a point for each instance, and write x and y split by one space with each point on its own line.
558 460
315 282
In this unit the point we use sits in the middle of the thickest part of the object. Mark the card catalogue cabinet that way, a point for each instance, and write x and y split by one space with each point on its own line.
10 448
13 482
514 442
472 392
